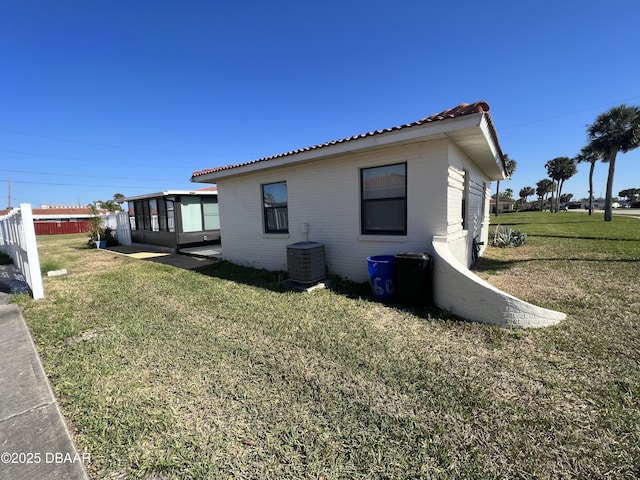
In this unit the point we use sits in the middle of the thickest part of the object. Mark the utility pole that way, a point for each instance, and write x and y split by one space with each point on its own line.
9 195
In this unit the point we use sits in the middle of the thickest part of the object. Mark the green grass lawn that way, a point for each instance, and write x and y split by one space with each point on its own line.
225 373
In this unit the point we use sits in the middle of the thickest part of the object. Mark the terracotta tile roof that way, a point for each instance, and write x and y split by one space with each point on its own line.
459 111
52 211
59 211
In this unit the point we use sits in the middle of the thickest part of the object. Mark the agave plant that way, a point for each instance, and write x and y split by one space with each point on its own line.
507 237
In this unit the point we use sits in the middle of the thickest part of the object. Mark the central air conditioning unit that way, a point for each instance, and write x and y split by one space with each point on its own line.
305 262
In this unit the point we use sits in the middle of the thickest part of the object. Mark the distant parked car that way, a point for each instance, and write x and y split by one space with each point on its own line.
564 208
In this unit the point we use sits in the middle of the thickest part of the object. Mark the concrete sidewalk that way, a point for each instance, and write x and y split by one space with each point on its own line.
34 439
188 260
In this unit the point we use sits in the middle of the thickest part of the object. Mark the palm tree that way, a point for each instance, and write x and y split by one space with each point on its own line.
560 169
508 194
590 155
525 193
543 188
509 167
617 130
118 198
629 193
566 198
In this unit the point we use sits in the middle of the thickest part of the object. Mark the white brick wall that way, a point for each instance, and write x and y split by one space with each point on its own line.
325 195
460 241
468 296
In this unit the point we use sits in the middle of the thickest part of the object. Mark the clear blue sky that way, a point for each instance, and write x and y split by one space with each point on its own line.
131 97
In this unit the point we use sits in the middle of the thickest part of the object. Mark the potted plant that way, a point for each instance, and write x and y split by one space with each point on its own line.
96 229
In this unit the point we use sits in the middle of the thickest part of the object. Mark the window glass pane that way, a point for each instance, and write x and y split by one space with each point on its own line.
211 214
146 220
191 214
384 215
162 214
153 210
275 194
171 223
276 216
132 215
384 182
277 219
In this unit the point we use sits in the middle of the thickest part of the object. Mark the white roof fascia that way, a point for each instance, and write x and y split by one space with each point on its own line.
495 151
172 192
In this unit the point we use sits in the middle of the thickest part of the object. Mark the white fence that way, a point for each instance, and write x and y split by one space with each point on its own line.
18 240
123 228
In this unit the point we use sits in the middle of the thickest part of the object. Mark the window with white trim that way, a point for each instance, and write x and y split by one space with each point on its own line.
275 207
383 200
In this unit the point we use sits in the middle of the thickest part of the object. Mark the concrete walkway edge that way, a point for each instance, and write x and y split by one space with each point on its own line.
35 441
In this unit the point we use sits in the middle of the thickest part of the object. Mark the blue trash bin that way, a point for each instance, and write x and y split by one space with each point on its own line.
382 273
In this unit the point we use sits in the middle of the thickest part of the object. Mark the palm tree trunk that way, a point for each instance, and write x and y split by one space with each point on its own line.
593 166
608 209
560 183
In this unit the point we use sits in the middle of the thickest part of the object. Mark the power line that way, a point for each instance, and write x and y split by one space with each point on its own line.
80 176
82 142
82 185
68 159
121 147
555 117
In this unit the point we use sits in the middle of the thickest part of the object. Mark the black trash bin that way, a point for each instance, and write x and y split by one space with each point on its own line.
414 284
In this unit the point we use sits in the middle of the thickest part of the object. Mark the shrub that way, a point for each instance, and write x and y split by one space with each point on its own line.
507 237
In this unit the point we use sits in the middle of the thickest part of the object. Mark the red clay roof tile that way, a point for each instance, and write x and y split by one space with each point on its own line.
460 110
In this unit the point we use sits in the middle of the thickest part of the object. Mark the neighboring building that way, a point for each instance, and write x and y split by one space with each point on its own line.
419 187
175 219
505 205
62 219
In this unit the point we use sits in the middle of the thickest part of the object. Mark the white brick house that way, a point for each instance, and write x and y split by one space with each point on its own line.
419 187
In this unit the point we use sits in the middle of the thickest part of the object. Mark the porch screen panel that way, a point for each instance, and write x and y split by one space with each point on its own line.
191 211
211 213
171 221
146 216
153 210
162 214
132 215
